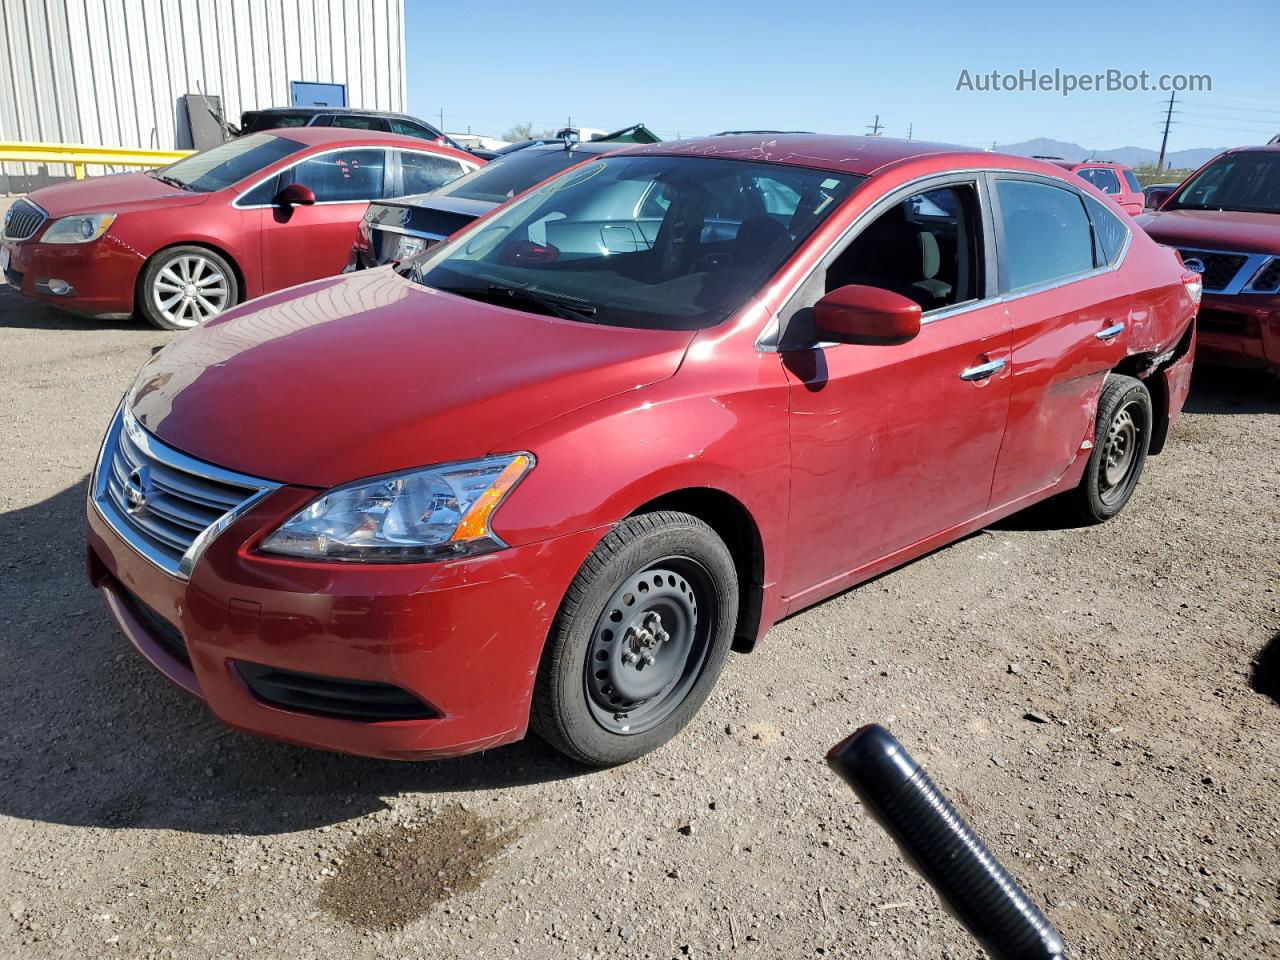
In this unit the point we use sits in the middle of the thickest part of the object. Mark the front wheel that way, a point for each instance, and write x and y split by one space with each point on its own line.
1121 439
183 287
639 641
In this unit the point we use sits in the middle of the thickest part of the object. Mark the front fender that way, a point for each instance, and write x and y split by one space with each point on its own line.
599 464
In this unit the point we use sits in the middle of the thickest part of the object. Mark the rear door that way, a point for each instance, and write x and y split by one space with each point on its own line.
1070 316
892 445
308 242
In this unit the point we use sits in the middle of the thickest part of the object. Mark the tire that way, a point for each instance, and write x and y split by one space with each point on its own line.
1122 437
183 287
610 688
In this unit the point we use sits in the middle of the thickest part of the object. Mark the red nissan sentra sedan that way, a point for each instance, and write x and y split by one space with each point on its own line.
550 471
181 244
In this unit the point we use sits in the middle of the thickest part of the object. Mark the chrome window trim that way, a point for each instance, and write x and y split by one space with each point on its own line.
1018 294
45 213
1242 282
766 342
467 167
125 421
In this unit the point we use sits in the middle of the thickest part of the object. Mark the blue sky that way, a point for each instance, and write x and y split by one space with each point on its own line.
692 68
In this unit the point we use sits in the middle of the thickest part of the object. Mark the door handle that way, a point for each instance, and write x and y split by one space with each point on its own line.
982 370
1111 332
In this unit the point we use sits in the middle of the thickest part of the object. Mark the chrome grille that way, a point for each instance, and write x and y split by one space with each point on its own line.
164 504
1219 268
22 220
1267 280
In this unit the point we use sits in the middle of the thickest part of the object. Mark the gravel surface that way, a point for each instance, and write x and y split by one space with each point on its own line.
1139 803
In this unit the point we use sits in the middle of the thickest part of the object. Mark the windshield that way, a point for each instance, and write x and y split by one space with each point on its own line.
1248 182
227 163
502 178
674 243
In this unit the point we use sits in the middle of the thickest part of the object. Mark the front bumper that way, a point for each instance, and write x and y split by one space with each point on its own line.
464 637
1242 330
102 273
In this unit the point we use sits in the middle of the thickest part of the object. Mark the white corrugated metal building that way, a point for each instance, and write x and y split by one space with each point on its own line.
112 72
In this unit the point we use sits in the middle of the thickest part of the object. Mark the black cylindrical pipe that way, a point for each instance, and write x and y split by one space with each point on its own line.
968 878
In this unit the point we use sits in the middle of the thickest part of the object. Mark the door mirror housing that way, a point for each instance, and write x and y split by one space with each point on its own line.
296 195
867 315
1157 196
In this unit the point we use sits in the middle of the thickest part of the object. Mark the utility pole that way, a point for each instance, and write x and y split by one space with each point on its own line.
1164 142
442 119
910 127
875 128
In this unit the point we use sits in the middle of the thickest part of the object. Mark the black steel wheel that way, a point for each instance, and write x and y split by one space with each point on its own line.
649 645
1122 435
639 640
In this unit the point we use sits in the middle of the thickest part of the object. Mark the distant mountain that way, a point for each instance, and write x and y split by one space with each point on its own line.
1130 156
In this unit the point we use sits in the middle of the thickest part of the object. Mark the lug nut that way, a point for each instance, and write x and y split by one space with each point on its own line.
629 657
648 660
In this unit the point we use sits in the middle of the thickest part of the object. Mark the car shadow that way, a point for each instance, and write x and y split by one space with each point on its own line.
23 313
1221 390
1265 677
90 735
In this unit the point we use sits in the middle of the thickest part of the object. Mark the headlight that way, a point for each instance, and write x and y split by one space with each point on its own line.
78 229
430 514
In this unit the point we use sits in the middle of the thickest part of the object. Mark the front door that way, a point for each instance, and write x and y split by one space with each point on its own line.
302 243
892 445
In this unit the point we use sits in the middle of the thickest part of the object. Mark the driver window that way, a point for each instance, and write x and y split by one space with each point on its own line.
926 248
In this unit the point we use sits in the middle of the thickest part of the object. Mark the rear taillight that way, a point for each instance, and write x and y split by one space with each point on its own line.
1194 285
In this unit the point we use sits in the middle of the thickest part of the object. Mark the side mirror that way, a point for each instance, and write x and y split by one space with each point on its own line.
869 315
296 195
1157 196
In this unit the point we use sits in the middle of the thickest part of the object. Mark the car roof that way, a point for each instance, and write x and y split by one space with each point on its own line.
845 154
585 146
319 136
348 110
1076 164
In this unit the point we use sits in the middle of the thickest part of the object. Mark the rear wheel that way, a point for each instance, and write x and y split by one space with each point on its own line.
1122 437
639 641
183 287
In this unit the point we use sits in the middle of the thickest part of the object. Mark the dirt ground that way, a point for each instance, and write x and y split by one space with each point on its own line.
1144 813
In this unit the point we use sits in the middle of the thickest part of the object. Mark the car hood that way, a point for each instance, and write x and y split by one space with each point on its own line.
117 193
1215 230
369 373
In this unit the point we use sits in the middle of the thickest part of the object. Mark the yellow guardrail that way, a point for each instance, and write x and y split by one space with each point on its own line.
80 155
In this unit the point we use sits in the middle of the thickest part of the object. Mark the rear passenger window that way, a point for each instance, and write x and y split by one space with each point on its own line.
1046 234
358 123
424 172
1131 179
342 176
407 129
1109 231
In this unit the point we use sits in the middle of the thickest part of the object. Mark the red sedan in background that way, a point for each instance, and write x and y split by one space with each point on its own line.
633 417
181 244
1116 180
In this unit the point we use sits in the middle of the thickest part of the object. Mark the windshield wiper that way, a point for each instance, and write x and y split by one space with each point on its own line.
173 181
567 308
